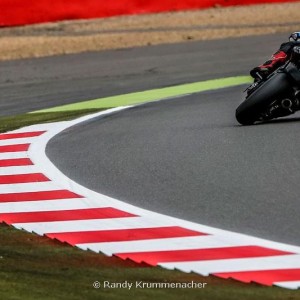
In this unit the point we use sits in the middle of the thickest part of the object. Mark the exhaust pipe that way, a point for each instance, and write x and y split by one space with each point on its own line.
286 103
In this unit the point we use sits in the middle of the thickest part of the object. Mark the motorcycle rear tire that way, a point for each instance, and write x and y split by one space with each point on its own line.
275 88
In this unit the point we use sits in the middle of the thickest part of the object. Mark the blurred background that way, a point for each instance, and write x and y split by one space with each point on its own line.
37 28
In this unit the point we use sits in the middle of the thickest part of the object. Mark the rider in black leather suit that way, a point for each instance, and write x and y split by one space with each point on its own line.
277 59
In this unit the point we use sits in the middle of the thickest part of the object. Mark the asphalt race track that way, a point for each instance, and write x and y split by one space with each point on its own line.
188 158
33 84
185 157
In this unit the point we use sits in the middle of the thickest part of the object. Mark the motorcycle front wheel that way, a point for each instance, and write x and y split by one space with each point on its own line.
275 88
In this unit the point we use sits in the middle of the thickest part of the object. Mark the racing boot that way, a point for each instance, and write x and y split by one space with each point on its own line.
264 70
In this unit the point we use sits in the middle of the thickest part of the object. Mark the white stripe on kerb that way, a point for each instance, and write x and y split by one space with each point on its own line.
18 141
168 244
291 261
90 225
48 205
18 170
294 285
12 155
28 187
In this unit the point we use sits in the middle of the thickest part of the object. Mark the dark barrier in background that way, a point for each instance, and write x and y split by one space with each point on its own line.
21 12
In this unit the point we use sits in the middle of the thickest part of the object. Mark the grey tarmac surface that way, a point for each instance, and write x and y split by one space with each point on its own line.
33 84
185 157
188 157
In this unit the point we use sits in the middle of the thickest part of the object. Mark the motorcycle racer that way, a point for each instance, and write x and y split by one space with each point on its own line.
277 59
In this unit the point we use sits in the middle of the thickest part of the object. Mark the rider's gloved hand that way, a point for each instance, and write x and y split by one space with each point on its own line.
260 72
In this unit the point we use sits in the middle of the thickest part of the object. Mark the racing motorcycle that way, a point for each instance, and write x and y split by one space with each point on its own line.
275 96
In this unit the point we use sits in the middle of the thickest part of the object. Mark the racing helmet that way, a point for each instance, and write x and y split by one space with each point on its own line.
295 37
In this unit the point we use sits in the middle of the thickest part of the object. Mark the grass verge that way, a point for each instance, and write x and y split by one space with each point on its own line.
34 267
14 122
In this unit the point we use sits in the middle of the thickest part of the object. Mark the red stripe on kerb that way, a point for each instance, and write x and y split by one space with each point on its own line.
122 235
65 215
14 148
155 257
266 277
8 136
15 162
23 178
37 196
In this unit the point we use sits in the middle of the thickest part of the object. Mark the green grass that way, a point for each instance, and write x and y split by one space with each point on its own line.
33 267
18 121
